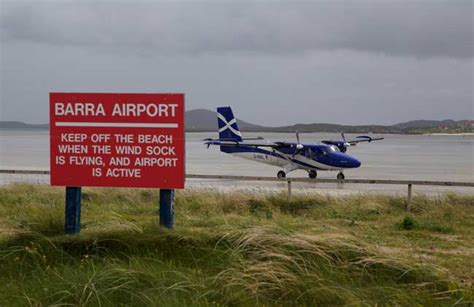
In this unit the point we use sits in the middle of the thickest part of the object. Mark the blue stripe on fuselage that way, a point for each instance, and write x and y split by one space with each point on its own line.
239 149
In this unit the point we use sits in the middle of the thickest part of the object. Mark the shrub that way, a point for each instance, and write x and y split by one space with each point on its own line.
408 223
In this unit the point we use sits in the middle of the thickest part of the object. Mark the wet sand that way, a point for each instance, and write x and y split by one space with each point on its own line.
404 157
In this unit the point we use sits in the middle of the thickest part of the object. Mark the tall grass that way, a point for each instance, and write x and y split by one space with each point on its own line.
233 250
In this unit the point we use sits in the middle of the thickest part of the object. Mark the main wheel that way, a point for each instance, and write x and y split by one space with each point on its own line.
340 176
312 174
281 174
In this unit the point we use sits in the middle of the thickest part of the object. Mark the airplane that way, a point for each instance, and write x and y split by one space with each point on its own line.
329 155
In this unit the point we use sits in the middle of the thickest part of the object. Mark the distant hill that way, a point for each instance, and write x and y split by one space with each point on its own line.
434 126
335 128
411 127
428 124
206 120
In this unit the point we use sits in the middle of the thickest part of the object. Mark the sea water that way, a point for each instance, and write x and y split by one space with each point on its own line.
405 157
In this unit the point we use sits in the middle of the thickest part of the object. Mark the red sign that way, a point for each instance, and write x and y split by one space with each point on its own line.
117 140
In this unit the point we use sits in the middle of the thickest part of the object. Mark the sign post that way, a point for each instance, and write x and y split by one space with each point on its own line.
73 210
167 208
116 140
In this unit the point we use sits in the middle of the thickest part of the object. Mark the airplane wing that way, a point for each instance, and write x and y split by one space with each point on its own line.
364 138
358 139
343 144
230 142
233 139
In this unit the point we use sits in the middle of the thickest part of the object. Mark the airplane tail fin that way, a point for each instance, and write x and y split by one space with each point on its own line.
227 124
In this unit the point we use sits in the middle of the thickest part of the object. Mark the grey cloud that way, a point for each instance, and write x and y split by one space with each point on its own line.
396 28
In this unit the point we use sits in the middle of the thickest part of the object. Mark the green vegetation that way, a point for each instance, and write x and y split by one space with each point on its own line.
239 249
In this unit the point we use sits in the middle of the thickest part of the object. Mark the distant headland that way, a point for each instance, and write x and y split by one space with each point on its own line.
201 120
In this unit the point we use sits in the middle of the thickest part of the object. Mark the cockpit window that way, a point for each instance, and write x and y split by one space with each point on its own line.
329 149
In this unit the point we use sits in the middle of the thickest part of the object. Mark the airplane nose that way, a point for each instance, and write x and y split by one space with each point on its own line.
346 161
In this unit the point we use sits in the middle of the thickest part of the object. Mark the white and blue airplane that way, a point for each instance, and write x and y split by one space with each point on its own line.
329 155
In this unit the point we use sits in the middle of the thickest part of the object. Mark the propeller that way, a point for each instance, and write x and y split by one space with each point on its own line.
299 146
344 140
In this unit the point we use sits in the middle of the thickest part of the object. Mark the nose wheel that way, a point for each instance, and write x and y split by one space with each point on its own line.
340 176
312 174
281 174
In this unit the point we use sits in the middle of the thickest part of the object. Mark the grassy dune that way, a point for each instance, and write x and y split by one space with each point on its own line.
235 250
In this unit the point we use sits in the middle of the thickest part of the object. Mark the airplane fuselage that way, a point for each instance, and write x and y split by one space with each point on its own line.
314 157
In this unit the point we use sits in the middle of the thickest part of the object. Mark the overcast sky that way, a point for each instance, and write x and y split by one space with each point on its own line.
275 63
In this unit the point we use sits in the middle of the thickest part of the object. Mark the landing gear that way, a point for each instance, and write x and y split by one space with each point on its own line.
340 176
281 174
312 174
